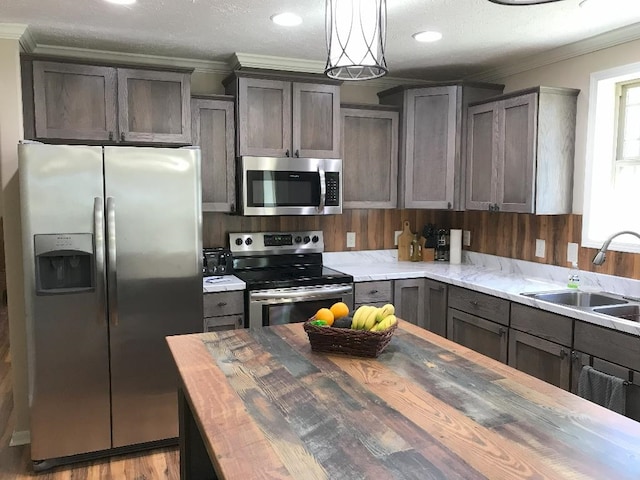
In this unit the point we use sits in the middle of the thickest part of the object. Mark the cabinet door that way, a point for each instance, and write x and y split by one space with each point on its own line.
435 314
264 117
409 300
229 322
482 131
432 123
370 158
516 156
154 106
316 120
488 338
540 358
74 102
212 127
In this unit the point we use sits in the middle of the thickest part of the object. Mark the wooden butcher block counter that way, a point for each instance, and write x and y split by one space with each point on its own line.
259 404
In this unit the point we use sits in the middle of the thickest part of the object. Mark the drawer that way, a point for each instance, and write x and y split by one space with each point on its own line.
547 325
373 292
223 303
480 304
228 322
616 347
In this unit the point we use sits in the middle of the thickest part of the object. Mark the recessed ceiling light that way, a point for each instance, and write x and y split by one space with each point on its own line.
122 2
286 19
427 36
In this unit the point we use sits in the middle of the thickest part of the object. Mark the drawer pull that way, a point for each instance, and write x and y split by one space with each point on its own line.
222 304
563 353
473 302
373 292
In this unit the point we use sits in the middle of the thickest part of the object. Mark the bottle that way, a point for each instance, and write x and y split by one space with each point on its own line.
416 254
574 277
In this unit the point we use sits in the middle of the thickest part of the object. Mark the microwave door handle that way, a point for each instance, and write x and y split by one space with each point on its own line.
323 189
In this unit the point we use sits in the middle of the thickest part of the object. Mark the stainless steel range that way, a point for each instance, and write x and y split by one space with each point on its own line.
286 281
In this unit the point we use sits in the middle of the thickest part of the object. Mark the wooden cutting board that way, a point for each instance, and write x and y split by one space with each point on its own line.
404 243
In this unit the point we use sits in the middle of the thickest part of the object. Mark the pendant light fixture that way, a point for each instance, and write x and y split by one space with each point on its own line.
356 31
523 2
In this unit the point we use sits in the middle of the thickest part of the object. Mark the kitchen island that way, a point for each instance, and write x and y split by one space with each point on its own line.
260 404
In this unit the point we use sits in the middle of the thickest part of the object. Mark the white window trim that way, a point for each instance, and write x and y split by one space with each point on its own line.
602 113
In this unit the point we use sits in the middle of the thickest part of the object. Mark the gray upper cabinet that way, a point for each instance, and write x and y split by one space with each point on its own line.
370 156
520 150
433 122
280 117
212 126
106 104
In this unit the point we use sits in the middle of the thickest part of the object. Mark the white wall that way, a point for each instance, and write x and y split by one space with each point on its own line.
10 133
576 73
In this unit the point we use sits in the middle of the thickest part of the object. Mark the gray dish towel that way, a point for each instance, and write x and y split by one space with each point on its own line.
603 389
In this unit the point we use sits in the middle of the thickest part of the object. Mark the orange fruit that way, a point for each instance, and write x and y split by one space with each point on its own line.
339 309
326 315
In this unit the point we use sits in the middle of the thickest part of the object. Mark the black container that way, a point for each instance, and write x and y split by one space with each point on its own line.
442 247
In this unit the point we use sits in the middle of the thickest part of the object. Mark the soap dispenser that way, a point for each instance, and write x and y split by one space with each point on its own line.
574 276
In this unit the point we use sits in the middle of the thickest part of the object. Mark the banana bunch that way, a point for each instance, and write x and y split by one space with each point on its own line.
374 319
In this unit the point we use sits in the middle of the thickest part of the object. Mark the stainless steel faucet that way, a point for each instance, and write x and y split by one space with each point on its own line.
601 256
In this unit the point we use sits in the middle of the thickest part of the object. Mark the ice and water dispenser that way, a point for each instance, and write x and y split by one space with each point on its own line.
64 263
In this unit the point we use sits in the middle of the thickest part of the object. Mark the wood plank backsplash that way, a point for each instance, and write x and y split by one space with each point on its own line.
510 235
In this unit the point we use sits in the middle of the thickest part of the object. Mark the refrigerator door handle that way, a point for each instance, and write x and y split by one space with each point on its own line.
98 234
112 277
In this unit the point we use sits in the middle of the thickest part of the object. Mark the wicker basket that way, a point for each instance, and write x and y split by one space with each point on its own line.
360 343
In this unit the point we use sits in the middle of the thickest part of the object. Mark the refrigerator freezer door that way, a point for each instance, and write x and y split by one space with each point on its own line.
67 341
154 224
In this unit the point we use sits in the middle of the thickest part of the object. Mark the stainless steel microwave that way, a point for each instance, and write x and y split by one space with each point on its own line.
289 186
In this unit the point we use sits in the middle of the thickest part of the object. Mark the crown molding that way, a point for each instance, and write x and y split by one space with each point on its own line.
565 52
202 66
249 60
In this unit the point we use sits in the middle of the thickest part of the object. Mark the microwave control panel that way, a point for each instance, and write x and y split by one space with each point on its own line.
333 189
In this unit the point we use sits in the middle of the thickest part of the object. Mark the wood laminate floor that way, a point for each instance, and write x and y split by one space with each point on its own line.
16 465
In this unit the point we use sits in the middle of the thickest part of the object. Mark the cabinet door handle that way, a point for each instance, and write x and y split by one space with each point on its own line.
110 135
473 302
286 154
297 154
497 208
449 205
122 137
222 304
502 331
563 353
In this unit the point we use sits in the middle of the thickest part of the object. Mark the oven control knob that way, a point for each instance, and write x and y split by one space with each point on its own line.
248 241
307 239
315 239
298 239
238 241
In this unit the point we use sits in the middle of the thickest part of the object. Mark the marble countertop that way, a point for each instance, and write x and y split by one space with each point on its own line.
225 283
497 276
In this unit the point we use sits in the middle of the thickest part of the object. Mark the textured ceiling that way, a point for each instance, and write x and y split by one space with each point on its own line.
478 35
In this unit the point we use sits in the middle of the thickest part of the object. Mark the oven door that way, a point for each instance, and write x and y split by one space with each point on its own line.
296 304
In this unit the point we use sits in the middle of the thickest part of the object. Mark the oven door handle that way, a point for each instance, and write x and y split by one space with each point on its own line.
323 189
301 294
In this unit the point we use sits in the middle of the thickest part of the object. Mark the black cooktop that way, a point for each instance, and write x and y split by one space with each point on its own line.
282 271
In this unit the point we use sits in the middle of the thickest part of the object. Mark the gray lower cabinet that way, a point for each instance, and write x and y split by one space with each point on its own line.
520 151
409 300
223 311
435 313
373 293
433 124
540 344
370 156
68 101
213 129
479 322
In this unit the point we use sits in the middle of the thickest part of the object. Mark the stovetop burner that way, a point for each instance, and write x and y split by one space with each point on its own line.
281 260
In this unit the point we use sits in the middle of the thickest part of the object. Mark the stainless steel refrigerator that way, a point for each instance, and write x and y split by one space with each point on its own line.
113 264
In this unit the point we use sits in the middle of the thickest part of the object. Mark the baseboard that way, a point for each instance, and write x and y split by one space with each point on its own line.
22 437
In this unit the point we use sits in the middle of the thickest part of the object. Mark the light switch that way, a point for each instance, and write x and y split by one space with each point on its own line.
540 245
466 238
351 239
572 252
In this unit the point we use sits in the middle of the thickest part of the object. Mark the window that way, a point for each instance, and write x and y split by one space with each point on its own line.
612 180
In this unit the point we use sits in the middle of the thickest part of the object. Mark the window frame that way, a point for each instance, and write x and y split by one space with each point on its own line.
621 121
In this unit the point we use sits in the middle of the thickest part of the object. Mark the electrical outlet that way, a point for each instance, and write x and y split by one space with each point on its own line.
396 234
540 245
351 239
466 238
572 252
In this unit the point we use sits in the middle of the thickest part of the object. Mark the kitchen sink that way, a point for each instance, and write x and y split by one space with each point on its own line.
626 312
578 298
